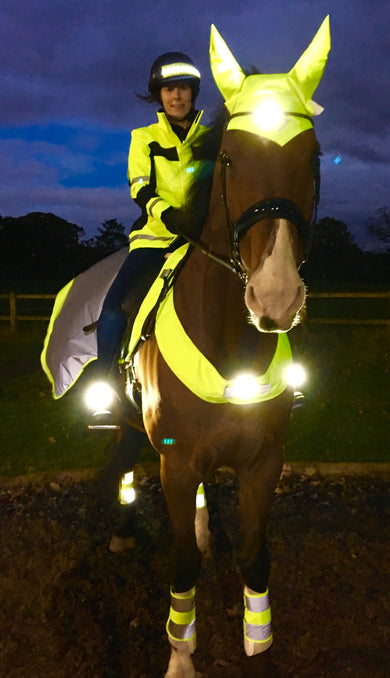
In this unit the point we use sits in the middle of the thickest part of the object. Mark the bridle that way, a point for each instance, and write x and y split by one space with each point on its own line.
268 208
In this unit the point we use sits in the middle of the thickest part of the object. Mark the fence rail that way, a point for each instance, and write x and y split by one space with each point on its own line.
14 315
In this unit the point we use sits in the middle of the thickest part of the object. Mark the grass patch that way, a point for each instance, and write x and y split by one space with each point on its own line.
36 432
345 417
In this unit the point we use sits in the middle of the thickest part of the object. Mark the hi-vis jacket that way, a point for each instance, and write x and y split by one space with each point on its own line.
161 171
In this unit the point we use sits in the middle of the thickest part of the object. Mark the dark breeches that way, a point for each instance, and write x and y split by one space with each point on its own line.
133 279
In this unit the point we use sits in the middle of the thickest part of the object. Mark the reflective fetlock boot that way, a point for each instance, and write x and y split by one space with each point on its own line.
257 622
181 624
182 634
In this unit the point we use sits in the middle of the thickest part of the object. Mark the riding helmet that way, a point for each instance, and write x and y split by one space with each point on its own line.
171 67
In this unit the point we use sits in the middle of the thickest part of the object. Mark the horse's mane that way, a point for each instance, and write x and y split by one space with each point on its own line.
205 151
210 141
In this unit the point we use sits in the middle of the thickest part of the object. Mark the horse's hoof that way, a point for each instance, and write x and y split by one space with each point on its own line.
120 544
180 665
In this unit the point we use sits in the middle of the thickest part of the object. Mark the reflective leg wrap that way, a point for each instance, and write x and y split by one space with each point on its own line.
201 500
181 621
202 532
126 489
257 622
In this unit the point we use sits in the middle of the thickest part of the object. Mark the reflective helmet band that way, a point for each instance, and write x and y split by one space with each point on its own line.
179 70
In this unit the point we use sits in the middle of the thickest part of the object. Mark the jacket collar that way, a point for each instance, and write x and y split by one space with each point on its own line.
165 124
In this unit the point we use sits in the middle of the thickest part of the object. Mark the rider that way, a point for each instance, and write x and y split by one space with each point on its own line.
161 170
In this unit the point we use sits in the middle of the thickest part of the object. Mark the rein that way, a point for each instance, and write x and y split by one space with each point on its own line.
268 208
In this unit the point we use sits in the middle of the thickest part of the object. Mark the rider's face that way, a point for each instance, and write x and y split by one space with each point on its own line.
176 99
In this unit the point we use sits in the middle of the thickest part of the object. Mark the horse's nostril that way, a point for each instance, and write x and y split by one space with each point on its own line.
267 324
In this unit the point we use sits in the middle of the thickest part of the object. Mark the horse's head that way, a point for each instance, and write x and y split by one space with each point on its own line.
268 165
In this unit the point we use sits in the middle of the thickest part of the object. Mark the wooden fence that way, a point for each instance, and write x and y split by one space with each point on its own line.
383 311
14 315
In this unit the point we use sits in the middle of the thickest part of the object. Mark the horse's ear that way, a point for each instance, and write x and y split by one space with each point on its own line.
309 68
226 71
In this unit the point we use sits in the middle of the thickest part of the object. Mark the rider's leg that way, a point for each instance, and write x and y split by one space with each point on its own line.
133 279
135 276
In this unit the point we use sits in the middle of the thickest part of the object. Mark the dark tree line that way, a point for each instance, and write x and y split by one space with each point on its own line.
42 248
379 226
337 261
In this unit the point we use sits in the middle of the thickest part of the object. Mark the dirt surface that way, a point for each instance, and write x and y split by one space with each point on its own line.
71 609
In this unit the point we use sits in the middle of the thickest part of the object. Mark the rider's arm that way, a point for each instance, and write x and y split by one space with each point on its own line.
142 178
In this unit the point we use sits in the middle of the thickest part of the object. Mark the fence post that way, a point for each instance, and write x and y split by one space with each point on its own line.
12 310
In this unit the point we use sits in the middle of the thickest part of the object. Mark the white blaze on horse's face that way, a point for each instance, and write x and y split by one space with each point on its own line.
277 108
275 292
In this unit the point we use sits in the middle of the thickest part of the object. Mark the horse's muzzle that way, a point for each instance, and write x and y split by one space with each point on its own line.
274 314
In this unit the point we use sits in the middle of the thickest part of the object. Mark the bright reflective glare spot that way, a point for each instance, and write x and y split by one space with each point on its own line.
127 495
99 396
295 375
268 114
127 491
200 501
244 387
200 497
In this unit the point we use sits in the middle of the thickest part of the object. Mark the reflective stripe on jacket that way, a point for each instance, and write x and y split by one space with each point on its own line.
161 171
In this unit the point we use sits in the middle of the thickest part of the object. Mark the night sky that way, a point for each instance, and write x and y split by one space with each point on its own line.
70 70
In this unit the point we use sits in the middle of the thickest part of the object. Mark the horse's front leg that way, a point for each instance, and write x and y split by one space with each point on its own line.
180 489
256 492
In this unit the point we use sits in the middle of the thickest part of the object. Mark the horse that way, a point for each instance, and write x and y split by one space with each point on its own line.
237 295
